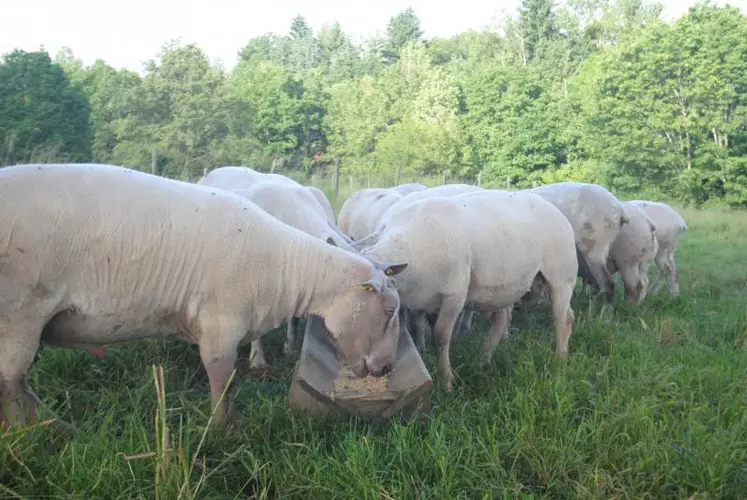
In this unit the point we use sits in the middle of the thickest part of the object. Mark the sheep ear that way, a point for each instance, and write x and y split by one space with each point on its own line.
367 285
394 269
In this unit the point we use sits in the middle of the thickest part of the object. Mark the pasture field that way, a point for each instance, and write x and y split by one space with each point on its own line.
652 402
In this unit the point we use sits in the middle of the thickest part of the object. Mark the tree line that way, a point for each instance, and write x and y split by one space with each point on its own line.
599 91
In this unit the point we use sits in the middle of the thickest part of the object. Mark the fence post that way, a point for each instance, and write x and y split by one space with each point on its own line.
153 161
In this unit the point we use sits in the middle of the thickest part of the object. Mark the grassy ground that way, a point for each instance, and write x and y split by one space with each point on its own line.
652 402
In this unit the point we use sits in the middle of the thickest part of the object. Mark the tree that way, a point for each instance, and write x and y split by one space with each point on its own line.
538 27
340 58
594 90
403 28
274 97
666 103
299 30
402 150
41 114
304 51
181 112
510 130
469 47
112 97
313 130
603 23
262 48
357 116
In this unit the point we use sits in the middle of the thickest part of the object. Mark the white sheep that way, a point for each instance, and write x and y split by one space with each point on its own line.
97 254
228 177
361 212
481 250
596 216
410 187
294 204
633 251
241 177
419 319
297 207
445 190
669 228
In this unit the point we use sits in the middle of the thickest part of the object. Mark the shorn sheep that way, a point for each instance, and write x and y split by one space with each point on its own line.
96 254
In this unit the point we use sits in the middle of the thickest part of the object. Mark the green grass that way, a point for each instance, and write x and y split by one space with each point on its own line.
652 402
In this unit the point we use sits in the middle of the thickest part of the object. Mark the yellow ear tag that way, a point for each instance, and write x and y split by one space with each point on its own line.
367 287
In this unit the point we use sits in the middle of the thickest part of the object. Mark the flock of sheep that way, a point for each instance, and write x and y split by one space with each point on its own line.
471 249
95 254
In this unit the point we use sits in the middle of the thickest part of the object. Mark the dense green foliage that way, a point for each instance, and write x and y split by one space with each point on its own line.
40 110
651 403
596 90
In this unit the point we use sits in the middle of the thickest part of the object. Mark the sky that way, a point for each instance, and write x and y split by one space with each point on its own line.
126 34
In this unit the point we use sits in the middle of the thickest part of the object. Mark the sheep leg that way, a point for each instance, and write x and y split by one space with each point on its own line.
674 286
643 274
634 286
664 272
587 279
18 403
257 358
498 330
219 360
219 342
598 266
563 316
447 316
464 325
421 324
289 348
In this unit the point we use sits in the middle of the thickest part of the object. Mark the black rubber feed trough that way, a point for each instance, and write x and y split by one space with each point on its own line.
313 391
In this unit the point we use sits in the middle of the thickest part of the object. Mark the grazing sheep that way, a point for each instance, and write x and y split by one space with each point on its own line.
596 216
229 177
297 207
445 190
633 251
411 187
242 177
361 212
97 254
481 250
419 319
669 228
